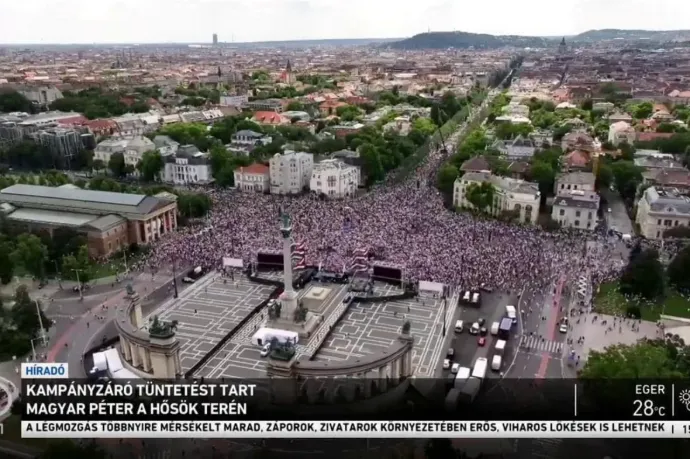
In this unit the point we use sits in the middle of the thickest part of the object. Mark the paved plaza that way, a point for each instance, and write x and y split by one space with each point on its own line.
369 328
598 336
208 310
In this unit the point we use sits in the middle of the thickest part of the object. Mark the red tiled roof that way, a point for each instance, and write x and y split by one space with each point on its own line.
649 136
577 158
268 117
256 168
79 119
332 104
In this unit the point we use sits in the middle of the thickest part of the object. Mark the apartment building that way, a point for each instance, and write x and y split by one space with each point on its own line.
576 209
61 142
511 195
291 172
253 178
660 209
574 181
188 166
334 178
132 148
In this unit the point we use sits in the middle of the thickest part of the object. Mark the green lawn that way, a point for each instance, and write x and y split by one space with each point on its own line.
610 301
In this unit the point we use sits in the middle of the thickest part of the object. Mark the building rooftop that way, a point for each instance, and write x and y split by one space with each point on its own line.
107 197
70 219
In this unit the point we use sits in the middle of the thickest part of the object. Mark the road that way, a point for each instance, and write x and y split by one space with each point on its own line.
618 219
542 345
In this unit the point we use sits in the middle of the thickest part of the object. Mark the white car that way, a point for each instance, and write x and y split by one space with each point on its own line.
474 329
609 210
454 369
563 328
446 364
265 350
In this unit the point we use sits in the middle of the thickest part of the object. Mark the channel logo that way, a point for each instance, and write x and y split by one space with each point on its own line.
45 370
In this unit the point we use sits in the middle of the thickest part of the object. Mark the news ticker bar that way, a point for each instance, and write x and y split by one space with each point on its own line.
553 400
355 429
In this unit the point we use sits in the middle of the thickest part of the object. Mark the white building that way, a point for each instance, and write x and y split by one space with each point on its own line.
248 137
576 209
291 172
334 178
511 195
188 166
253 178
660 209
132 149
621 132
574 181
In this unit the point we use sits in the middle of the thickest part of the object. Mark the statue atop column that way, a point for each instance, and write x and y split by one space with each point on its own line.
162 330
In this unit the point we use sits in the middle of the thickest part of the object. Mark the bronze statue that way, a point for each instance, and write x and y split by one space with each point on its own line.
161 328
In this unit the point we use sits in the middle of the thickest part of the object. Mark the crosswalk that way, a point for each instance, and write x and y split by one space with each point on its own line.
536 344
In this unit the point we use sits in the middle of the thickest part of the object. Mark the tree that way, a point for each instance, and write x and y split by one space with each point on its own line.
626 176
77 266
193 205
544 174
6 263
151 165
604 176
295 107
13 101
24 313
641 360
348 112
117 165
643 276
31 254
587 104
481 196
446 179
98 165
679 270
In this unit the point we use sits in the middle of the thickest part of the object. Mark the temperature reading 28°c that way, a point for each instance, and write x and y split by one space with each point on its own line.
647 408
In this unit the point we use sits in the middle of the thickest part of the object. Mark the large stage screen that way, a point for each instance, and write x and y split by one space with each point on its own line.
269 261
387 274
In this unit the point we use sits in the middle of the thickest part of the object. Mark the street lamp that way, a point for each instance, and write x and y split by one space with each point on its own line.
81 290
175 295
40 323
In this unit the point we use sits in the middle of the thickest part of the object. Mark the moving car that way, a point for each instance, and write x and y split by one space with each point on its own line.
459 326
451 352
474 329
265 350
188 280
563 328
446 364
483 331
481 321
481 341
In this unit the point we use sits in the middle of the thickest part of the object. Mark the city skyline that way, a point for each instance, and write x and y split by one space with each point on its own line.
155 21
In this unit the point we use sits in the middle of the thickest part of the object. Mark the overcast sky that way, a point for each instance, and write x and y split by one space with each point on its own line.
158 21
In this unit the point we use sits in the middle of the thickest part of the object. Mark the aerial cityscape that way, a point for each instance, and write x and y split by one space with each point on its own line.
437 214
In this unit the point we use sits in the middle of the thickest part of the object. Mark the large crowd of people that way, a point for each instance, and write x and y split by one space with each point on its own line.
405 225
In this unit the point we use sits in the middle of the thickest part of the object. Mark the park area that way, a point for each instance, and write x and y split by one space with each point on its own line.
610 301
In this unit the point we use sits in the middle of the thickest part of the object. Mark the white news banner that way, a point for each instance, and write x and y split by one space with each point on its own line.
355 429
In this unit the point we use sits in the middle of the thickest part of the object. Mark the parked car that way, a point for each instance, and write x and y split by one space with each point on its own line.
451 352
446 364
481 341
265 350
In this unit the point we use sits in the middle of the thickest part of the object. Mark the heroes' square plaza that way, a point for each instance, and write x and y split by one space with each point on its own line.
209 309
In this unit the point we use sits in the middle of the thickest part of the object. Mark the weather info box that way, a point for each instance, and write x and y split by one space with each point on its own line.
56 407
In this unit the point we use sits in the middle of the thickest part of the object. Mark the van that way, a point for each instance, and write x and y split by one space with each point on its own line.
496 363
459 326
500 346
511 312
466 297
494 328
462 376
475 298
479 370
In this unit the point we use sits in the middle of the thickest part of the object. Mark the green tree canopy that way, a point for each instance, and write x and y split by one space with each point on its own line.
446 179
77 265
117 164
643 276
151 165
13 101
30 253
643 360
480 195
679 270
626 176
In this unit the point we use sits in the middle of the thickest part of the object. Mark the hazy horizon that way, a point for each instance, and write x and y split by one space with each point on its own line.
73 22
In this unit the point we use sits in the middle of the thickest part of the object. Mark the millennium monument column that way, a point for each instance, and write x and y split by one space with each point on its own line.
288 300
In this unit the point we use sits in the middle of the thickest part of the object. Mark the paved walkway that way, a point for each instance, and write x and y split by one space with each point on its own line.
598 337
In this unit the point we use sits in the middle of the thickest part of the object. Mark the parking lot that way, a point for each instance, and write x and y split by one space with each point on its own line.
208 310
465 346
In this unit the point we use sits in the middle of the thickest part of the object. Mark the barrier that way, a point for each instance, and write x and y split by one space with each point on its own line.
427 286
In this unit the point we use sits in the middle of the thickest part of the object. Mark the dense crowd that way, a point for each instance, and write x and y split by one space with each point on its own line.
405 225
